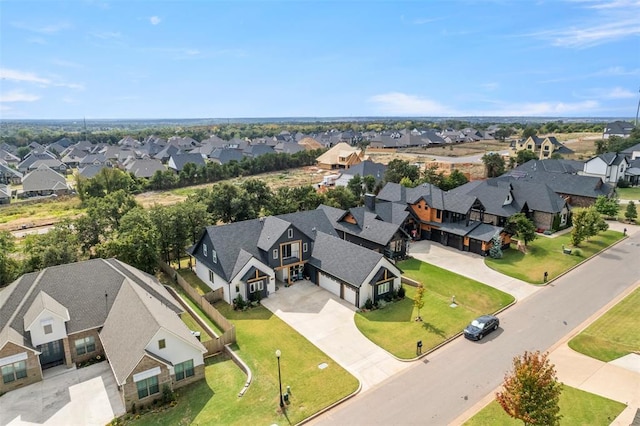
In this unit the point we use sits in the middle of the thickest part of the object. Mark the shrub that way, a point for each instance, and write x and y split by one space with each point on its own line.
381 304
388 297
133 408
577 252
168 395
368 304
401 292
238 302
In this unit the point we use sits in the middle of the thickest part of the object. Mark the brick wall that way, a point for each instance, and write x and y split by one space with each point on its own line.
72 345
198 374
34 372
130 390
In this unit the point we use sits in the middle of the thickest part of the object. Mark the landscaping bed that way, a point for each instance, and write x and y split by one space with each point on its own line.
546 255
394 327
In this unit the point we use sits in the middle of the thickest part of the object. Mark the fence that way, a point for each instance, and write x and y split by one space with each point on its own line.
218 342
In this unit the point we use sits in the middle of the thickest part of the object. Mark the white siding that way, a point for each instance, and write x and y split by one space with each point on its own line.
253 262
176 350
59 330
203 273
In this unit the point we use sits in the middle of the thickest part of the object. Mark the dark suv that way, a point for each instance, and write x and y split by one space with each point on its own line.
481 326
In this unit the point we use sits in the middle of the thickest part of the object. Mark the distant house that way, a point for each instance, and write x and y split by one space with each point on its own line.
44 181
256 150
52 163
365 168
68 314
34 156
8 158
610 167
226 155
621 129
9 175
178 161
145 168
543 147
632 152
340 156
5 194
90 171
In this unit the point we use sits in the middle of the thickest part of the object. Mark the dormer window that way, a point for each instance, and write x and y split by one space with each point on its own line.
290 233
48 329
162 344
205 250
214 256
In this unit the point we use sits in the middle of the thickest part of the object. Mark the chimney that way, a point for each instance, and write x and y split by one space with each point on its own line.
370 202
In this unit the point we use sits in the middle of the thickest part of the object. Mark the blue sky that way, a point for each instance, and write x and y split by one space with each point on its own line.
206 59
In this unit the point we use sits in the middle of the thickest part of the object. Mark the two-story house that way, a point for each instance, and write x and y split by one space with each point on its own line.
340 156
610 167
68 314
543 147
249 258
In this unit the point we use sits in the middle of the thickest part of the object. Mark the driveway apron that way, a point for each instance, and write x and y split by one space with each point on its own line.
327 322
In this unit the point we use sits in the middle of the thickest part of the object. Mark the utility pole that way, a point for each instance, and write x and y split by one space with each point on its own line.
637 110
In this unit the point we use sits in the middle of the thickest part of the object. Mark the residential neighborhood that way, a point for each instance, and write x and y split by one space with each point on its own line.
351 247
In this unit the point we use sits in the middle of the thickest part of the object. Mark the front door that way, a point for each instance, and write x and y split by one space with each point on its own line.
52 354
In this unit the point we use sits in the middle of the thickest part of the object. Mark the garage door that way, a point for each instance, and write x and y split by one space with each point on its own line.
349 294
475 246
455 241
329 284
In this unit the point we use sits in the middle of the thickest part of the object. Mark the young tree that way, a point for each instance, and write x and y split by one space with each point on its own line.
455 179
495 252
355 185
369 183
525 155
586 224
531 392
418 300
494 164
9 267
606 206
631 213
523 227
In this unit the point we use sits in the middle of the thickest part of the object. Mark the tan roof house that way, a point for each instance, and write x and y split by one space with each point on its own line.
340 156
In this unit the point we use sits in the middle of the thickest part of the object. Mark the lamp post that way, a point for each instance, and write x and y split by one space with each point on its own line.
278 353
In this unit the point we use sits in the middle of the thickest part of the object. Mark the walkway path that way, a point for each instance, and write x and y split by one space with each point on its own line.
327 322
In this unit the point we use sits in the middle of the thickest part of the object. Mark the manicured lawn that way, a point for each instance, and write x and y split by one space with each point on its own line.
194 281
545 254
394 328
194 326
629 193
259 333
576 406
613 335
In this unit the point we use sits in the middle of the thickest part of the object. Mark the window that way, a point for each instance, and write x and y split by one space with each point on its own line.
383 288
275 253
260 285
15 371
252 287
211 276
291 250
86 345
204 250
290 233
439 214
305 247
162 344
184 370
148 387
214 256
48 329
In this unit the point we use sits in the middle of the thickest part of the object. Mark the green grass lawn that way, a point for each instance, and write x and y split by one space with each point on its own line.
577 408
629 193
259 333
613 335
51 209
193 325
194 281
394 328
545 254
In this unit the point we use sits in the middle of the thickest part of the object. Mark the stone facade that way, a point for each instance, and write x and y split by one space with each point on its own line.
87 356
578 201
129 391
543 220
34 372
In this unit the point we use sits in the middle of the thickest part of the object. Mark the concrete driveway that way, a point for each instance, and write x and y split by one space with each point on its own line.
327 322
470 265
86 396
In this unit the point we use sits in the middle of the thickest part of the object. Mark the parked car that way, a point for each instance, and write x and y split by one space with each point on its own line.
481 326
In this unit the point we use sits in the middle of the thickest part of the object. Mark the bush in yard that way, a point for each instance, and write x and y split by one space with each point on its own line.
168 395
606 206
495 252
238 302
401 292
368 304
631 213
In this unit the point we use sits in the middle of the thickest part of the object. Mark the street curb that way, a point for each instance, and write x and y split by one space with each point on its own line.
335 404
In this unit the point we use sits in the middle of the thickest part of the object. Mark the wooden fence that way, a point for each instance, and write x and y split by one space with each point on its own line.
218 342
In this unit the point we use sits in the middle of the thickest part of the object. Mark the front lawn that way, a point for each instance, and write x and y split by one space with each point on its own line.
545 254
259 333
394 328
613 335
577 408
632 193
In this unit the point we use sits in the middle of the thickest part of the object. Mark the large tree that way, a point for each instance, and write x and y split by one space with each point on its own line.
531 392
57 247
587 222
606 206
9 267
521 226
525 155
494 164
398 169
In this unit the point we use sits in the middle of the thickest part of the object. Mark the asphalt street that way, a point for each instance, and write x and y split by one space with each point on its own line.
451 380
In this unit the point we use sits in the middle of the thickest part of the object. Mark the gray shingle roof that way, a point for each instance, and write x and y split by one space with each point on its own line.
180 160
345 261
368 227
43 179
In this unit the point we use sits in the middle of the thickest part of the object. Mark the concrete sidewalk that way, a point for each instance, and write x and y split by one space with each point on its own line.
327 322
470 265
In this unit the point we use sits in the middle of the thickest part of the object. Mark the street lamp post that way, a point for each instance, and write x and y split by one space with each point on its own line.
278 353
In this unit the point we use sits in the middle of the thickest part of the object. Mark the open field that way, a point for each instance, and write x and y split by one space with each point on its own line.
44 212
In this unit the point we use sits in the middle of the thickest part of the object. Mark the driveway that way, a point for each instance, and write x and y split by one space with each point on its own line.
86 396
470 265
327 322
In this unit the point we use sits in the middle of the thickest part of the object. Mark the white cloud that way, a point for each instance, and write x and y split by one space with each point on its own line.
18 96
397 103
155 20
620 93
15 75
490 86
543 109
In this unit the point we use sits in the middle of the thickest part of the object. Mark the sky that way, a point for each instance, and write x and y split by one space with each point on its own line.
116 59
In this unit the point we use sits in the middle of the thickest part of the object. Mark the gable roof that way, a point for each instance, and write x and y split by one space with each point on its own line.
226 155
42 302
368 225
340 150
43 179
367 168
145 168
178 161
